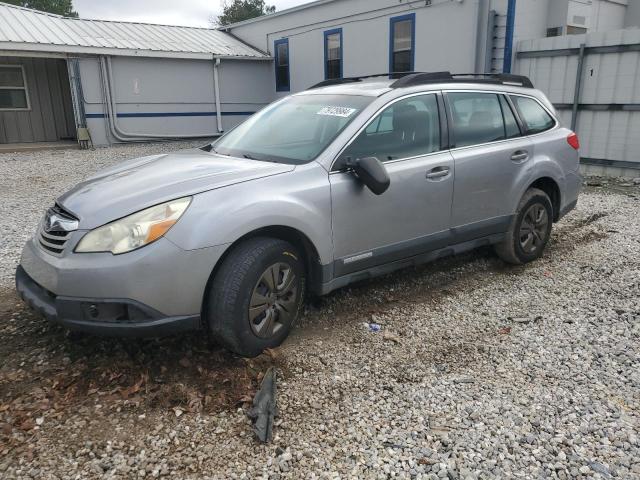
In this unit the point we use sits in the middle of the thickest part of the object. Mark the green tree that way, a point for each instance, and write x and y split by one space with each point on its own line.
239 10
59 7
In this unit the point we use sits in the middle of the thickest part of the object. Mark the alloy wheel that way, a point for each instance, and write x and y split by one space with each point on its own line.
533 229
273 300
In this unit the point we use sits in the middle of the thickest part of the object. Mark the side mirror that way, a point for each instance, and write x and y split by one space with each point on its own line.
372 173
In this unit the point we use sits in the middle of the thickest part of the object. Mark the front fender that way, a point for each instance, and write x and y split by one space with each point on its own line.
299 199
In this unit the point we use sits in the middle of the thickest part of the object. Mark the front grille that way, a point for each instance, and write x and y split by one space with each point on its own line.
54 241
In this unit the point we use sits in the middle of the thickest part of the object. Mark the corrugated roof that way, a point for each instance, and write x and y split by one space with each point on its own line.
31 30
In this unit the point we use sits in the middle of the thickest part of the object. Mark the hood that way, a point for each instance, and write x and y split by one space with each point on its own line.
143 182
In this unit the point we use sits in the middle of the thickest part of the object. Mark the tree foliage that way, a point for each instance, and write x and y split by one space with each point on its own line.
59 7
239 10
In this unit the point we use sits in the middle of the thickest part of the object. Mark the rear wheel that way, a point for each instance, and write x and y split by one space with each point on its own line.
256 296
530 229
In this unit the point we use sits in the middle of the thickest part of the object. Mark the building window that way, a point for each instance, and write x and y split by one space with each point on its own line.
13 88
402 43
283 80
554 32
575 30
333 54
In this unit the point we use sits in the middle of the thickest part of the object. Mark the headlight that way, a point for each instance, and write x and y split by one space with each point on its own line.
134 231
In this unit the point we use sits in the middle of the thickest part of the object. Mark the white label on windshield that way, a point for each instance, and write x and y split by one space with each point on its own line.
343 112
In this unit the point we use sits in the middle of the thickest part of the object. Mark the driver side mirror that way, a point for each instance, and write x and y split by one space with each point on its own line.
372 173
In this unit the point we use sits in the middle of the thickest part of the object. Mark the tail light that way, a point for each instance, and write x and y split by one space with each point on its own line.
573 141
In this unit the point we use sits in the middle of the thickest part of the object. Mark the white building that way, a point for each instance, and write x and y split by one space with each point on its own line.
122 81
332 38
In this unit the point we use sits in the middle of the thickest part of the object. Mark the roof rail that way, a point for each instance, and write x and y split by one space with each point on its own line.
447 77
411 79
340 81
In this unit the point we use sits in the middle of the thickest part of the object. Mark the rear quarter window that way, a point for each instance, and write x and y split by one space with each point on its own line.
535 118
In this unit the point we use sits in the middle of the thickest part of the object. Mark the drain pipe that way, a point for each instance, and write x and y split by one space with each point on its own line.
216 88
117 132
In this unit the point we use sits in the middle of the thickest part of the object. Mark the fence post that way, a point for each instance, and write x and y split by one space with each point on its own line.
578 88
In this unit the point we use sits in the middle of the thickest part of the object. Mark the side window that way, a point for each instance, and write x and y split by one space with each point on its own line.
535 117
407 128
281 48
511 127
476 117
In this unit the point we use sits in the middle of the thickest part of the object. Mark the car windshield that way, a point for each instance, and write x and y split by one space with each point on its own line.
295 130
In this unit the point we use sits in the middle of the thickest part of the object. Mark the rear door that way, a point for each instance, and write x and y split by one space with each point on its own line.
413 215
492 160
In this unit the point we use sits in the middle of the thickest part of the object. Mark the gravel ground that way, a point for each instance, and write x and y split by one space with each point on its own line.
480 370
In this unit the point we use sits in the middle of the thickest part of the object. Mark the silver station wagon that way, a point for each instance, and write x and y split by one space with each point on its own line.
350 179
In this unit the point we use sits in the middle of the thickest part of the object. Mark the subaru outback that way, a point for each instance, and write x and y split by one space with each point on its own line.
348 180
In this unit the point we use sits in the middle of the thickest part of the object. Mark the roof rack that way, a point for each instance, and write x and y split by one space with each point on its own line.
447 77
340 81
410 79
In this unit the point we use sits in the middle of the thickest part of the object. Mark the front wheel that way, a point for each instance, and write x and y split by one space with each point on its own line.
530 229
256 296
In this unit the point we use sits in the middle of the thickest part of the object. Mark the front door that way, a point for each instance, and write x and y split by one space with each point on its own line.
413 215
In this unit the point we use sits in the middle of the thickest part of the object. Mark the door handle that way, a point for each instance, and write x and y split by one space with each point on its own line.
438 172
520 156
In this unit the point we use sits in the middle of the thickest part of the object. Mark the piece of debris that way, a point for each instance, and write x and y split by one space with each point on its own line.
178 412
505 331
463 379
392 337
594 183
373 327
525 320
263 410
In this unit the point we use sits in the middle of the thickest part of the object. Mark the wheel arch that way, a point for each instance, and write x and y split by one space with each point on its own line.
549 186
289 234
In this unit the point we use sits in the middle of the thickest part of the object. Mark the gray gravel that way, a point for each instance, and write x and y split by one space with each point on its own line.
480 370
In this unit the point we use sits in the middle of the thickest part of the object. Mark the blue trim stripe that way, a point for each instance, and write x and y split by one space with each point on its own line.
169 114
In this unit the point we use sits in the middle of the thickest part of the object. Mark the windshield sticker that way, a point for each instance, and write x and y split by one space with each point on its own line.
343 112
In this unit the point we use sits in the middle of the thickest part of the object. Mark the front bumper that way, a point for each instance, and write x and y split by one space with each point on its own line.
154 291
111 317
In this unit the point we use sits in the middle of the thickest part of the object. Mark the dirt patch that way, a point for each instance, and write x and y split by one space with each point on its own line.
47 371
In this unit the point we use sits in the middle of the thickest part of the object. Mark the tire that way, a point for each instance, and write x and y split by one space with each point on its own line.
535 209
246 278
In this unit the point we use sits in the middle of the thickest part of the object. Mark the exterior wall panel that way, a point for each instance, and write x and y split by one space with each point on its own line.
609 105
173 96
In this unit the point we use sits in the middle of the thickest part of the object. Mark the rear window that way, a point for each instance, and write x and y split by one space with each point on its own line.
535 118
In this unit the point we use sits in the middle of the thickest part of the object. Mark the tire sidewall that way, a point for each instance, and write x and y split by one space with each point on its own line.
239 322
536 198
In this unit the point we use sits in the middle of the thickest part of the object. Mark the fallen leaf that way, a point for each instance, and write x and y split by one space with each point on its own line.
391 337
27 425
272 352
505 331
135 388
